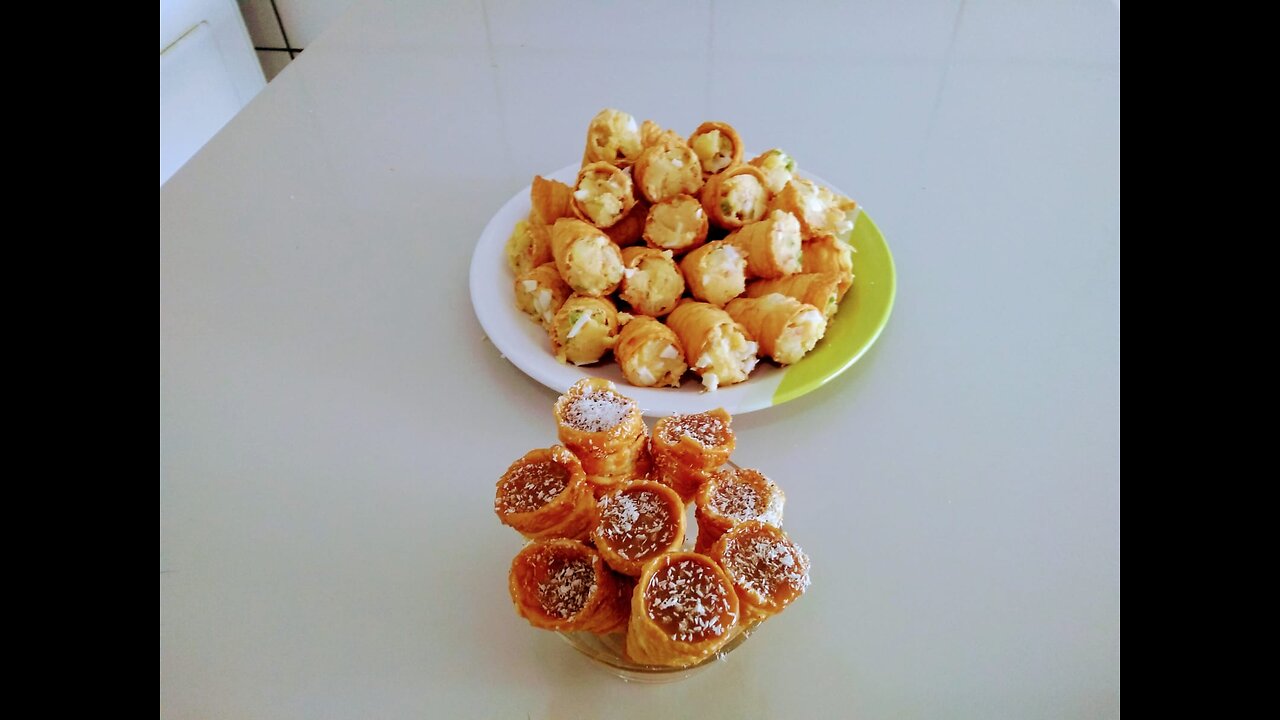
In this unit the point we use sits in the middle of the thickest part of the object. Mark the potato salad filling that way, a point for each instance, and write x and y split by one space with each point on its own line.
672 171
614 136
602 197
658 362
799 336
778 169
653 287
724 274
584 334
677 224
595 265
785 239
744 199
727 357
824 211
537 302
714 150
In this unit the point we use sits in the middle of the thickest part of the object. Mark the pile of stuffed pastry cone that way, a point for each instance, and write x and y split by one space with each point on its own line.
676 255
608 551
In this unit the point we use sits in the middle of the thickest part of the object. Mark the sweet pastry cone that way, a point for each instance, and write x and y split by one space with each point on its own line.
777 166
584 329
639 520
767 569
683 610
716 347
528 246
545 495
717 146
666 169
821 290
652 283
540 292
605 430
731 497
716 272
564 585
820 211
630 229
603 194
829 254
588 261
736 197
772 245
687 448
786 328
549 200
678 224
649 353
613 137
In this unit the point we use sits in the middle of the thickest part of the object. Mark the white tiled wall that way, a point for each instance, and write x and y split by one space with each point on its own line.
282 28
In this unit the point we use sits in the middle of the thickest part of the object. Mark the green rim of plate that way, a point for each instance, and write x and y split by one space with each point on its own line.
856 327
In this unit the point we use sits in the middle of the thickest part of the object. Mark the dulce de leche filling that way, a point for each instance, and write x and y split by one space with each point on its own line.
531 486
565 585
745 495
763 561
637 524
689 600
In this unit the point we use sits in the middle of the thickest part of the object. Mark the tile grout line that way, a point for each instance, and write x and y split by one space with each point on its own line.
288 47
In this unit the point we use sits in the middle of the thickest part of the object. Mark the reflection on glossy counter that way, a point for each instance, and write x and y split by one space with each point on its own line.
333 419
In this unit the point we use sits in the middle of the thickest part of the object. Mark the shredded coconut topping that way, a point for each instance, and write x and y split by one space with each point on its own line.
597 411
706 430
687 600
746 495
531 486
637 524
565 591
773 567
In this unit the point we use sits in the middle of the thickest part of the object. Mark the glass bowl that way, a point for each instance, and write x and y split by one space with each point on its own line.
609 652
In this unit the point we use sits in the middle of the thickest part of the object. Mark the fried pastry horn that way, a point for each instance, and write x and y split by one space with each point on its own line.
786 328
821 290
540 292
819 210
772 245
731 497
678 224
686 448
545 495
651 281
718 147
716 272
605 430
639 521
583 329
667 169
528 246
716 347
612 137
603 194
649 353
549 200
684 610
826 253
589 262
564 585
736 197
767 569
777 166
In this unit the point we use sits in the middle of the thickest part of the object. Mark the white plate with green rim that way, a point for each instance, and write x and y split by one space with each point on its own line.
863 314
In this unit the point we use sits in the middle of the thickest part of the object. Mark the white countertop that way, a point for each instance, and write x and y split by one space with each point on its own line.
332 419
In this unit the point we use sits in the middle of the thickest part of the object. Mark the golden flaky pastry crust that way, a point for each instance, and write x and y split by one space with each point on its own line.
767 569
545 495
605 430
638 521
731 497
564 585
683 610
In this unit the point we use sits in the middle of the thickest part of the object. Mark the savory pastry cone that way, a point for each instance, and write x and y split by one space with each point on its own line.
820 211
772 245
630 229
819 289
651 133
684 610
639 521
718 147
736 197
649 353
767 569
716 347
605 430
786 328
827 254
731 497
540 292
545 494
651 281
678 224
612 137
588 261
583 329
777 166
603 194
715 273
667 169
563 585
698 440
528 247
549 200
